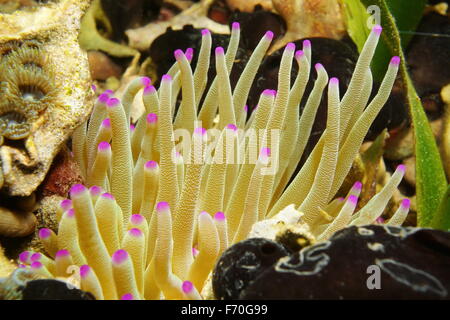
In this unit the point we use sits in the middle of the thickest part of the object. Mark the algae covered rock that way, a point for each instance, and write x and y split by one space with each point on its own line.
44 90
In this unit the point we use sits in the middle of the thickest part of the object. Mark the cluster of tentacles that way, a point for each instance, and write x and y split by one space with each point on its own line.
155 214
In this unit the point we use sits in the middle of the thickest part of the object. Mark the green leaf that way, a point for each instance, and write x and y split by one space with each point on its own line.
442 218
407 15
431 182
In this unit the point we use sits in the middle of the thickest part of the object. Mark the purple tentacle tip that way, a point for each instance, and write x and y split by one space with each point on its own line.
62 253
358 185
95 190
299 54
137 219
334 81
103 146
406 203
127 296
219 216
166 77
108 196
152 118
353 199
318 66
77 189
187 286
395 60
119 256
149 90
135 232
235 26
306 44
103 98
205 32
70 213
269 35
231 127
401 168
377 29
146 81
219 51
113 102
106 122
23 257
151 164
162 206
265 152
178 54
290 46
200 131
65 204
84 271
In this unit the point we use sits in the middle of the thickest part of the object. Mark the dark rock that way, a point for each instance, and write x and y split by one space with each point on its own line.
412 263
53 290
242 263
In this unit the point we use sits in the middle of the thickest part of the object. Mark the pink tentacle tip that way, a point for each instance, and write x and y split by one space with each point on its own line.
200 131
113 102
246 108
377 29
205 32
379 220
119 256
166 78
219 216
406 203
235 26
353 199
195 252
44 233
318 66
219 51
135 232
93 87
84 271
103 98
178 54
357 185
66 204
152 118
299 54
162 206
401 168
268 92
95 190
146 81
36 265
106 123
23 256
189 53
103 146
306 44
334 81
149 90
187 286
395 60
136 219
109 92
265 152
132 127
70 213
269 35
108 196
127 296
203 214
62 254
232 127
22 266
35 257
290 46
340 199
151 164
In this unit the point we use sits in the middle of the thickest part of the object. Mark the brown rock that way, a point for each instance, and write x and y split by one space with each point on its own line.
102 67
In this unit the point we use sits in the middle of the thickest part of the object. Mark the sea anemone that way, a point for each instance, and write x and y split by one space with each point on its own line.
197 197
